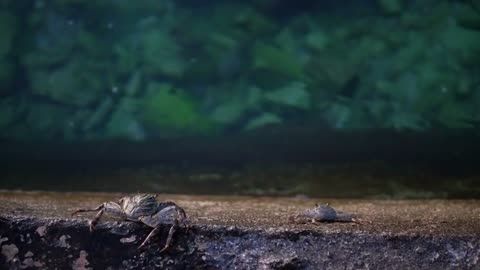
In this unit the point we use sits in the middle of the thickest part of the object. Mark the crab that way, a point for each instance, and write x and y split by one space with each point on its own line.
143 208
322 213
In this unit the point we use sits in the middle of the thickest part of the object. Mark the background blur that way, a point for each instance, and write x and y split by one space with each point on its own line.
308 97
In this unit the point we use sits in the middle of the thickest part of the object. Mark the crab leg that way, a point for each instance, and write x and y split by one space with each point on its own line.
182 216
170 235
154 232
88 210
344 217
150 235
94 221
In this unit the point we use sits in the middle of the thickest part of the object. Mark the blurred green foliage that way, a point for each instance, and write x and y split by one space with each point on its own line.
79 70
172 112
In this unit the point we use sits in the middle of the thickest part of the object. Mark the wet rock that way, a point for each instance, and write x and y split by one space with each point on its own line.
282 263
130 239
81 262
9 251
62 241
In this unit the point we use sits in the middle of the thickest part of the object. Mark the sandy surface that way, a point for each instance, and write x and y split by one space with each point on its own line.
400 217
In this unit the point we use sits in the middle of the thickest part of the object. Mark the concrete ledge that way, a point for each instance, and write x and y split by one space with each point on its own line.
36 231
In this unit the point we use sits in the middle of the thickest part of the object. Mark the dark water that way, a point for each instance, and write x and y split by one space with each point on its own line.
373 180
399 167
261 96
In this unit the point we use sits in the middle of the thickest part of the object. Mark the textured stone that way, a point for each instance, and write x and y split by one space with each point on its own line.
433 234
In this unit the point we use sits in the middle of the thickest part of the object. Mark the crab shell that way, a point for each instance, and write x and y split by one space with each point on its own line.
321 213
139 205
167 215
144 208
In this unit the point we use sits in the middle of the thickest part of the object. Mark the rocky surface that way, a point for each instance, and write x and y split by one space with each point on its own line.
37 231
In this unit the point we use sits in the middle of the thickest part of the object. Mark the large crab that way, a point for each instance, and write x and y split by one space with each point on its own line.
323 213
146 209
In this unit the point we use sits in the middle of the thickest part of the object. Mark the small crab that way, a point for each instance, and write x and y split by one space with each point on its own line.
143 208
322 213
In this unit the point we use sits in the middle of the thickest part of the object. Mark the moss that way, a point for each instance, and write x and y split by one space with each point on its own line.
46 57
316 40
291 95
161 54
265 119
91 5
172 112
123 125
343 113
391 7
456 115
76 83
463 43
47 122
254 22
393 69
6 76
236 105
8 28
220 44
242 20
91 44
229 112
11 110
127 59
467 17
269 57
